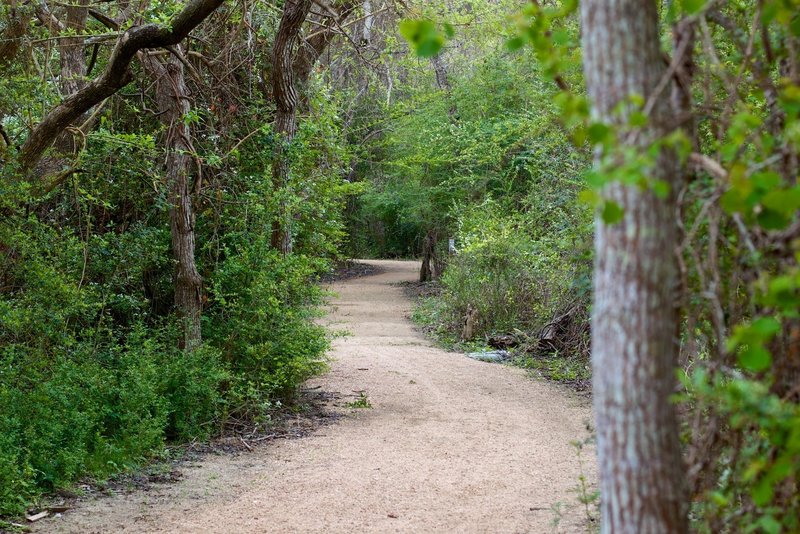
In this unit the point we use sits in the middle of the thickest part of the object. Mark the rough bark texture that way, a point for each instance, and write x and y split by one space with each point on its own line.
116 75
173 102
432 266
310 50
634 348
288 71
285 95
439 68
73 62
443 82
19 18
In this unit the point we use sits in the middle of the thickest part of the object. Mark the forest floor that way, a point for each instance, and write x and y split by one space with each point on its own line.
427 441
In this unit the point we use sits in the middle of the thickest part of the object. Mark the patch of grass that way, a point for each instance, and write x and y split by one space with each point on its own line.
574 371
571 370
361 402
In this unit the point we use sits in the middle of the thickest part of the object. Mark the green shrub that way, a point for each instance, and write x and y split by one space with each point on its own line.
510 276
752 485
91 379
261 321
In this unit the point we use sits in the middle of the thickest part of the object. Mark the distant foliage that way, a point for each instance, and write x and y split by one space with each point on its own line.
499 176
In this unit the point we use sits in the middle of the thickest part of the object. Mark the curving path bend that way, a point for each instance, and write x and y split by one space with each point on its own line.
450 445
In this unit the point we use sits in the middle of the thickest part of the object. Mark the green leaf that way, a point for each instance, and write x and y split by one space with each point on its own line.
769 525
734 200
785 201
515 43
762 492
598 132
637 119
755 358
661 188
718 498
423 36
612 212
693 6
590 197
772 220
766 181
766 327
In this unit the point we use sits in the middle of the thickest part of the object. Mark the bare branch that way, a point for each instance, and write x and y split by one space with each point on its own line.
116 75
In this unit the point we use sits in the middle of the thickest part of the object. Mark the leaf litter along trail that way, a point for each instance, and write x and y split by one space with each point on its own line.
450 445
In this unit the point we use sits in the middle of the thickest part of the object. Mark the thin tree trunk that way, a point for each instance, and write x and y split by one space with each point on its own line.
634 349
369 21
173 102
10 41
443 82
285 94
430 268
288 71
17 25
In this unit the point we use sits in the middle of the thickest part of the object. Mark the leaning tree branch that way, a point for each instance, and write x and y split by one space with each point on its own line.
116 75
314 46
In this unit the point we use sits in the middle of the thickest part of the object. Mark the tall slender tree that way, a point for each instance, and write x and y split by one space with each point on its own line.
634 322
172 97
285 94
290 69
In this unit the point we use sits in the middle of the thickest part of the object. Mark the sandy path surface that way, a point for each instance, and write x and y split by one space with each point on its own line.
450 445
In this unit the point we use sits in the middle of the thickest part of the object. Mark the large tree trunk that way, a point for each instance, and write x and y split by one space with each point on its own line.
173 102
634 348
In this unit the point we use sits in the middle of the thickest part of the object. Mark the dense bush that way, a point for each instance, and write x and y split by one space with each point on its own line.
92 381
92 377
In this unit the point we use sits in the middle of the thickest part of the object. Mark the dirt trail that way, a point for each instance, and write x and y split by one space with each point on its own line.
450 445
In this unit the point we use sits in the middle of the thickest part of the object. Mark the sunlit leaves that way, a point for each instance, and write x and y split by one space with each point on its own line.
552 34
693 6
761 197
